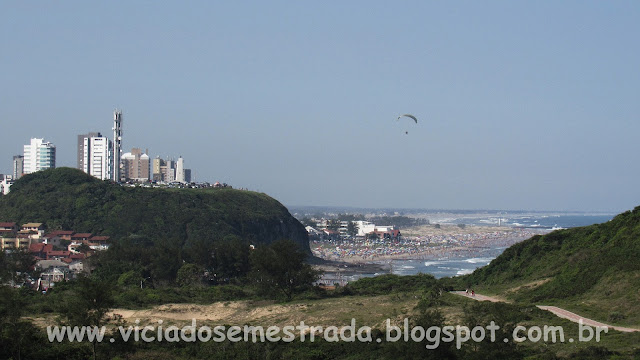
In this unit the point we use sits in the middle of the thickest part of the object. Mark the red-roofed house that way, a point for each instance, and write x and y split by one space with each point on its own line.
62 234
79 256
40 251
8 227
81 236
98 242
57 255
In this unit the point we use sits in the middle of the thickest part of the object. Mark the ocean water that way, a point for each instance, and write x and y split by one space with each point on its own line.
538 221
446 267
449 267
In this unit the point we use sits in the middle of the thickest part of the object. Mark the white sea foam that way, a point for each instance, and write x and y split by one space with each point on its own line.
464 272
431 263
478 260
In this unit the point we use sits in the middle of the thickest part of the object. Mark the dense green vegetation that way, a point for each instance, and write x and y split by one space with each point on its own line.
597 265
20 338
69 199
389 283
160 237
227 270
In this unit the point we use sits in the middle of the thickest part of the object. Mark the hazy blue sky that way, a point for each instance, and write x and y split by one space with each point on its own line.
522 105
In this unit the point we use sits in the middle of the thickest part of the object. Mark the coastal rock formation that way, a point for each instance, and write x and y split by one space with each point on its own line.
66 198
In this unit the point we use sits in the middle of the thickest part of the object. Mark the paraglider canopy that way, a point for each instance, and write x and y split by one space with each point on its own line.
409 116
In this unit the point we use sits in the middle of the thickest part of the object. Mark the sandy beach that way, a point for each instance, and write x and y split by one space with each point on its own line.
423 242
418 243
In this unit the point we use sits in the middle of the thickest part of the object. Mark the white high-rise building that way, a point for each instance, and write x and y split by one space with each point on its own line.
97 157
5 185
80 148
180 170
39 155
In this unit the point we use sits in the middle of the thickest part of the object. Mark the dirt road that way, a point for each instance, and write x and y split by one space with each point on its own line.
565 314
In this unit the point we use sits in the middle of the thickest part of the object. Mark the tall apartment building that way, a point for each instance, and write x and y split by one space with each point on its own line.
39 155
18 166
5 185
97 157
170 170
80 148
116 174
136 165
158 169
180 170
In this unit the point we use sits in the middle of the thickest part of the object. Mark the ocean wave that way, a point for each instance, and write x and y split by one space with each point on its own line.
478 260
431 263
464 272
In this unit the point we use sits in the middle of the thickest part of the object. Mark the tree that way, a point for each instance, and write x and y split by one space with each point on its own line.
89 304
506 316
352 228
307 221
333 224
16 333
15 266
280 269
83 248
231 257
190 274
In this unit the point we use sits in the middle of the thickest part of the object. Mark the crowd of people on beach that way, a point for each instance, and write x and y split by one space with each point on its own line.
414 247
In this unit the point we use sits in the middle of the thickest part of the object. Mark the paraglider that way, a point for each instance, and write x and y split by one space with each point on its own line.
409 116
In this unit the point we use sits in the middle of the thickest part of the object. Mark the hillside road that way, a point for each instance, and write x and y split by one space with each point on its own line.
565 314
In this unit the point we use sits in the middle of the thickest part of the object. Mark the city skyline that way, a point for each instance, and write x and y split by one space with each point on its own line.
95 156
519 105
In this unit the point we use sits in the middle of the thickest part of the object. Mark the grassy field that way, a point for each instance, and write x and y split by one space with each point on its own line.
374 310
366 310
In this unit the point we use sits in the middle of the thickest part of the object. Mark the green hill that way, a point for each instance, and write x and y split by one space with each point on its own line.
593 269
66 198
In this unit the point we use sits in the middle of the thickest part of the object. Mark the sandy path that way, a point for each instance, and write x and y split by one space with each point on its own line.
565 314
478 297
